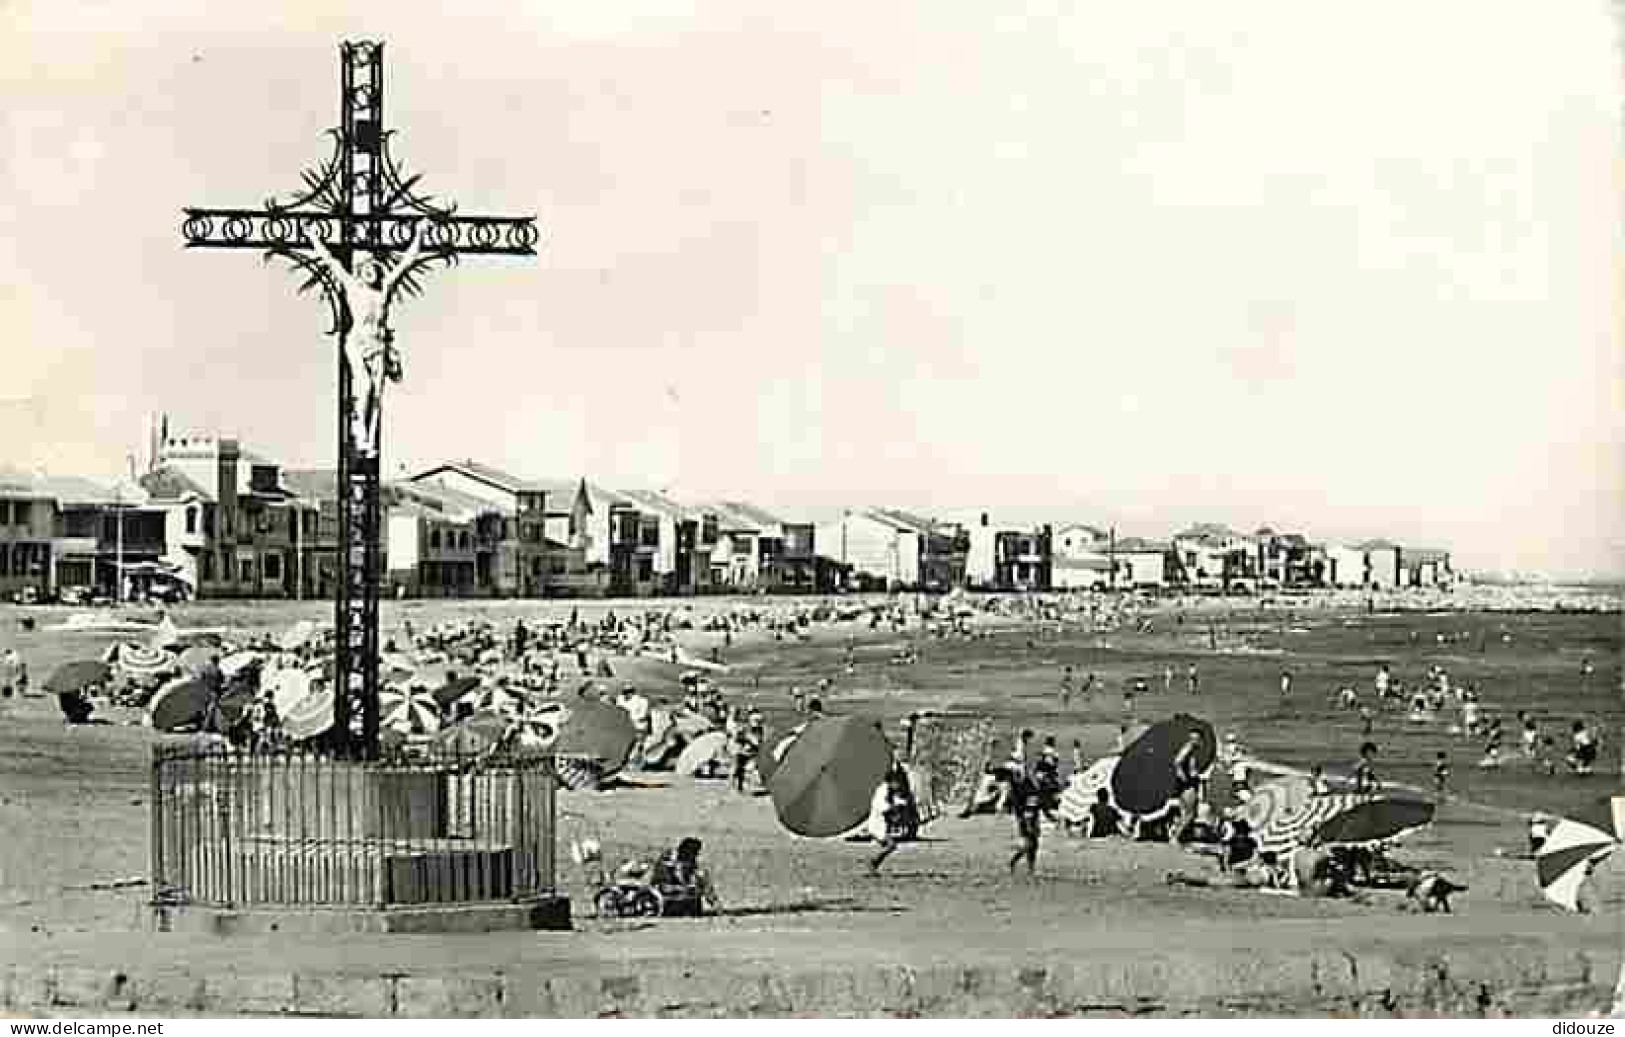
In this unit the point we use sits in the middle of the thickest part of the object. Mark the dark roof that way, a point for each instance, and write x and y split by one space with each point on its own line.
171 484
1377 545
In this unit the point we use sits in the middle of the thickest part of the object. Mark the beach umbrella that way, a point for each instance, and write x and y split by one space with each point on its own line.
1081 790
311 716
196 658
1373 819
701 751
76 676
470 737
579 773
538 730
825 780
598 731
165 635
408 710
198 639
237 663
767 761
1574 846
178 704
494 699
144 663
453 690
297 636
287 686
1143 782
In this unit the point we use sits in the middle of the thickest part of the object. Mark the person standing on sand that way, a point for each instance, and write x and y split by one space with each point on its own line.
1286 684
1168 678
1066 688
1365 771
1190 675
1441 776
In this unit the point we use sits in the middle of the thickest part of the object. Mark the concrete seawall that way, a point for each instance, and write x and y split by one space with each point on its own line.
1520 978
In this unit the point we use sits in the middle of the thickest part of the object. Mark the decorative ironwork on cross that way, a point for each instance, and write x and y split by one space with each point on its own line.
360 231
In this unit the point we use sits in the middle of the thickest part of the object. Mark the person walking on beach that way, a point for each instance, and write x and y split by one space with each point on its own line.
898 815
1066 688
1286 684
1027 803
1441 776
1190 676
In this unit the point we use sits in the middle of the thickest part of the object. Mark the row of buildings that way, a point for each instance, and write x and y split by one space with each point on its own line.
225 522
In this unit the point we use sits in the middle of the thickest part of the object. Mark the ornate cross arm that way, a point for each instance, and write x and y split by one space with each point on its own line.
377 234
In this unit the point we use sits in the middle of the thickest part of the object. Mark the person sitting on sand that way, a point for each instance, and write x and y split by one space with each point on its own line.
1237 844
1583 748
680 868
1540 826
1104 821
900 816
1430 891
1264 872
1316 873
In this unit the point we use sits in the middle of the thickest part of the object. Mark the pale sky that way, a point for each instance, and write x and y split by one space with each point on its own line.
1351 269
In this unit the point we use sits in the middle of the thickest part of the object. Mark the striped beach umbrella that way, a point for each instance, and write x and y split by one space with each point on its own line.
1576 845
1081 792
311 716
579 773
408 710
494 699
143 663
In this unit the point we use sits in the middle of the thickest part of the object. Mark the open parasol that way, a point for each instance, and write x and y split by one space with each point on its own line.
701 751
1144 781
1371 819
597 731
1081 791
143 663
76 676
178 704
825 780
408 710
1576 845
311 716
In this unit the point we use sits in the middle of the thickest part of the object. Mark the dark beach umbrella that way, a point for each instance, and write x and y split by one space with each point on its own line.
1144 781
1374 820
178 704
78 675
825 782
453 690
597 731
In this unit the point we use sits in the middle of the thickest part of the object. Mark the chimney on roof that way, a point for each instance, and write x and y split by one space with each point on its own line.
984 520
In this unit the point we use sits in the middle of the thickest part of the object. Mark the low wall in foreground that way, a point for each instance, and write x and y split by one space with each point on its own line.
1526 981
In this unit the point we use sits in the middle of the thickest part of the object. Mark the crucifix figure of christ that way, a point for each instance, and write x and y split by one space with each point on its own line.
362 233
368 340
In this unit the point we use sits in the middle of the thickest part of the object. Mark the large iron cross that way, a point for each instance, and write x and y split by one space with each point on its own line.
359 205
